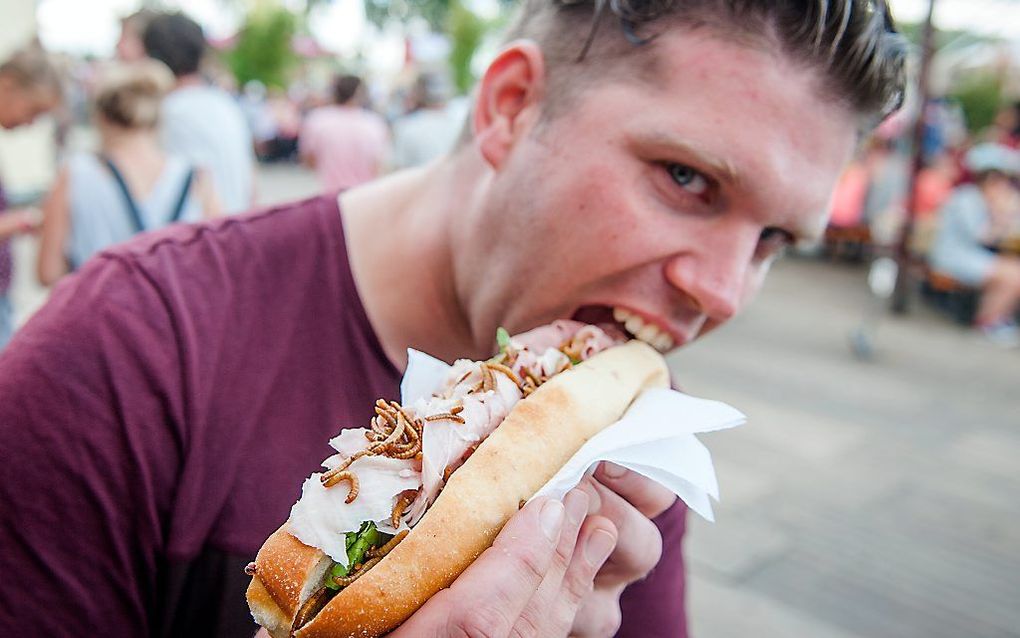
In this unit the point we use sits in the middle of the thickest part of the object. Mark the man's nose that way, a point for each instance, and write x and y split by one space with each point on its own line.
715 276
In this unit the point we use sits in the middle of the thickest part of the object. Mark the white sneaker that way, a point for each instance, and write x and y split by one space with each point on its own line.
1004 334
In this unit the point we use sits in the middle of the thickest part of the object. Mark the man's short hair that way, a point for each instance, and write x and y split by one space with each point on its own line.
175 40
345 88
32 68
139 20
851 43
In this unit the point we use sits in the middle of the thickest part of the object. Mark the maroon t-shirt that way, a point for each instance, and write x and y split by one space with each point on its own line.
158 417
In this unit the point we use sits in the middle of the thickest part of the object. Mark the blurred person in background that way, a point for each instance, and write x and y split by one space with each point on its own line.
934 185
201 122
431 126
344 142
256 112
1005 129
130 47
285 116
848 198
972 222
888 182
199 368
30 86
131 186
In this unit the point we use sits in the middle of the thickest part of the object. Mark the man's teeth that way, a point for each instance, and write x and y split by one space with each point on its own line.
647 332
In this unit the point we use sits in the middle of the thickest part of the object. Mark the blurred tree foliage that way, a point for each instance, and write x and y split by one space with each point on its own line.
435 11
980 96
466 31
263 50
464 28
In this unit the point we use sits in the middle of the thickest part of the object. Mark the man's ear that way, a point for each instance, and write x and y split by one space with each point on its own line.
508 100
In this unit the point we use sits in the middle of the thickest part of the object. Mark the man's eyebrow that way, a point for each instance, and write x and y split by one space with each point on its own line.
722 167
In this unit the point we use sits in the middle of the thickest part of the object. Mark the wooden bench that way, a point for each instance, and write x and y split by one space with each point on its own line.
952 296
848 242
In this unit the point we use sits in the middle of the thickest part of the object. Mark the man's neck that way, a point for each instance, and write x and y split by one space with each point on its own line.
192 79
399 241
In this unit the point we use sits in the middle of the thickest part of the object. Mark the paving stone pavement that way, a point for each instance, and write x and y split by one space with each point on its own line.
864 499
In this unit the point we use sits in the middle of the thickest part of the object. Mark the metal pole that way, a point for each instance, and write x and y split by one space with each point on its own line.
901 294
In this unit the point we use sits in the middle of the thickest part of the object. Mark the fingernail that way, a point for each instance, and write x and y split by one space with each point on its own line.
599 545
576 504
551 518
612 470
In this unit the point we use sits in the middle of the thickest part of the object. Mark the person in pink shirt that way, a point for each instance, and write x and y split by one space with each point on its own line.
344 142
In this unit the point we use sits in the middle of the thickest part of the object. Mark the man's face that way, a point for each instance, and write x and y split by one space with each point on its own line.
665 200
130 47
20 105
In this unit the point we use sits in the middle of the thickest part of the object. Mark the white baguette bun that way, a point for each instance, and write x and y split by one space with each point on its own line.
535 440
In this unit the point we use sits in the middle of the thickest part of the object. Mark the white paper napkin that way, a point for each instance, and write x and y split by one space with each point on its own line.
654 438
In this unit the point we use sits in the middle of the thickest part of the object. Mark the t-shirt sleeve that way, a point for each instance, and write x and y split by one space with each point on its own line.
654 607
88 412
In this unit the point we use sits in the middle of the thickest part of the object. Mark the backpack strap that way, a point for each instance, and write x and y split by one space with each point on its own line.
182 199
134 215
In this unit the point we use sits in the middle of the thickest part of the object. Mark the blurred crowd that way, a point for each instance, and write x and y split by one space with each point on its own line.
178 141
960 219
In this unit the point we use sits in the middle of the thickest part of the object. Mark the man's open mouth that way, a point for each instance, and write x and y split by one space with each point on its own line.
623 322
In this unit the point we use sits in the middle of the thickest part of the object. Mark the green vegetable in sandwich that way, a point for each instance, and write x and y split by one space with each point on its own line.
357 543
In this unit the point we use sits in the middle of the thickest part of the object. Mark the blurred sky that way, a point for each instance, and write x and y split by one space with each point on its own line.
92 27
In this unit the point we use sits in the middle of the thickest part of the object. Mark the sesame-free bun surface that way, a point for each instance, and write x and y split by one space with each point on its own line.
287 572
536 439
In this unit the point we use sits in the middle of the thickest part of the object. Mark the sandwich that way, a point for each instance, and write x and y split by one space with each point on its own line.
406 504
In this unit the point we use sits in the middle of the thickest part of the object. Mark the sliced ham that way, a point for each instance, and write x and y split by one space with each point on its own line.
321 518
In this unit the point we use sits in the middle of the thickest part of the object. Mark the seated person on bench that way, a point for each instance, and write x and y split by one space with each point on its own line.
975 218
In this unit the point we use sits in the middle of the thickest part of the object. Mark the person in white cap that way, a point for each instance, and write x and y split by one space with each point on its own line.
977 216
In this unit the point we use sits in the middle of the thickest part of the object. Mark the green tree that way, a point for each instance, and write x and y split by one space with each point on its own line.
980 96
263 50
435 11
466 31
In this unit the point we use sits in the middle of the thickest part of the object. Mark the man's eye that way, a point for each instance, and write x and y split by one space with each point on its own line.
773 241
688 178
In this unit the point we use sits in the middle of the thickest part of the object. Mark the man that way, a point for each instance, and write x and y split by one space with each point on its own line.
129 47
431 127
202 122
344 142
172 397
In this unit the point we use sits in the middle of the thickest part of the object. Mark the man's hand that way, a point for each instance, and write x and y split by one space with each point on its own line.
20 220
547 574
629 501
530 583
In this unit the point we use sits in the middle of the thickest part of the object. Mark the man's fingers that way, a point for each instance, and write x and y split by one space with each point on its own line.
595 543
488 598
640 544
650 498
536 620
599 615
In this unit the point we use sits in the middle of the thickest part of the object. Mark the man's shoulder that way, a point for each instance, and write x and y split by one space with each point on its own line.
257 230
200 102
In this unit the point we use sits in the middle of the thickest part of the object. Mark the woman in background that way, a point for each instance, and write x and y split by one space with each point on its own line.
130 186
29 87
973 220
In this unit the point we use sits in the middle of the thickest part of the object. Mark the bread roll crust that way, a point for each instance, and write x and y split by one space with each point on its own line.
536 439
